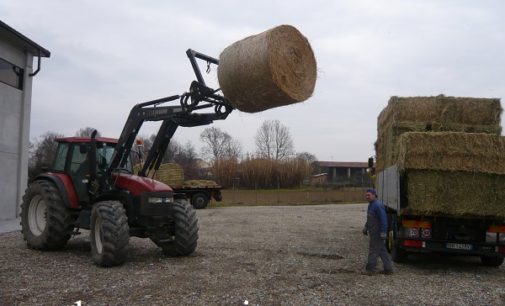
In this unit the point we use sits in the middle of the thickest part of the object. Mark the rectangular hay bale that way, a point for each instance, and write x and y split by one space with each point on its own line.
452 151
170 173
387 141
441 109
454 193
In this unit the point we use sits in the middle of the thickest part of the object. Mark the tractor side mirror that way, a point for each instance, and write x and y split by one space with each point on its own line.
371 167
92 157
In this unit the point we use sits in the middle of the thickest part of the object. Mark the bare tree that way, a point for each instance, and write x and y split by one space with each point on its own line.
273 140
308 157
42 153
170 153
185 155
187 158
233 149
219 144
86 132
311 160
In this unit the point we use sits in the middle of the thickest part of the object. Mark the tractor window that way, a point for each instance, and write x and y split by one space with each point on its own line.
61 157
104 157
79 163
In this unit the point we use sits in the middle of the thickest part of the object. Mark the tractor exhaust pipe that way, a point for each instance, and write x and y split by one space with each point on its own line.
92 157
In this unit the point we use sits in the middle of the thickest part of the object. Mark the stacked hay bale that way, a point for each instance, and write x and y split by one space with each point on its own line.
449 151
432 114
200 184
170 173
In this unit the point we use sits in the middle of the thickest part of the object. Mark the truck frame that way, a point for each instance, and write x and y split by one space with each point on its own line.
415 233
199 197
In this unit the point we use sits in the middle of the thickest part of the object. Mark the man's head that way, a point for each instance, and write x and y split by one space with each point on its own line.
371 194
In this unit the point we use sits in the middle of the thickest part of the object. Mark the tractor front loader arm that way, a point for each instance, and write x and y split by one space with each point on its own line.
186 114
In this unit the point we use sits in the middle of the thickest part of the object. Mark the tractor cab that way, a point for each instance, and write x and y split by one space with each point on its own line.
73 159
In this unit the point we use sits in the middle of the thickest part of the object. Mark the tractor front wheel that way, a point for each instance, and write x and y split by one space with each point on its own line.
181 239
109 233
46 223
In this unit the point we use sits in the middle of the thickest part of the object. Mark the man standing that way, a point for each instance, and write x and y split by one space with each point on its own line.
376 227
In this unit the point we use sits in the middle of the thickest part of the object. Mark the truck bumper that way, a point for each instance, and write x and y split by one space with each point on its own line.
456 247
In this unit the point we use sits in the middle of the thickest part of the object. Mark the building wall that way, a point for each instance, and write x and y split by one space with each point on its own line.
15 108
344 176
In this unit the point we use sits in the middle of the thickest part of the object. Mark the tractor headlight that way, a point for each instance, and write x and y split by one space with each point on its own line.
160 200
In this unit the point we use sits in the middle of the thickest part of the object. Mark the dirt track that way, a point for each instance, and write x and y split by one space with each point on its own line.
302 255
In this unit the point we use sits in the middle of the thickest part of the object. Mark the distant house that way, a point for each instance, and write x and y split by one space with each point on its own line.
16 74
342 174
319 179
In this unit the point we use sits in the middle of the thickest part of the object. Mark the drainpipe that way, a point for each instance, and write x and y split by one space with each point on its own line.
38 66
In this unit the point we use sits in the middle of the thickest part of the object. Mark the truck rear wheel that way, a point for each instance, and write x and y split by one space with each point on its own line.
397 254
182 239
45 221
491 261
109 233
200 200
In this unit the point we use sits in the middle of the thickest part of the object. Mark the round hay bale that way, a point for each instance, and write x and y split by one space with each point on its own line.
270 69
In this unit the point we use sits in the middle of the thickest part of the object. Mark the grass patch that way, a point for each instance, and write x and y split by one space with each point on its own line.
291 197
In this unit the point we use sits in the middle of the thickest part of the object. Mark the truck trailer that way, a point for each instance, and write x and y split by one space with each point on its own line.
440 171
411 232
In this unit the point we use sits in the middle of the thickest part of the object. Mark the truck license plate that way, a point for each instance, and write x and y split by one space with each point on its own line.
459 246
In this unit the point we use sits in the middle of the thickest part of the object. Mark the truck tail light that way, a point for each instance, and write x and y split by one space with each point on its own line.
500 249
426 233
412 232
416 229
496 234
496 229
414 243
416 223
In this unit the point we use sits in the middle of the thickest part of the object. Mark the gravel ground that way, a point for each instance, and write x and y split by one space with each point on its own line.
300 255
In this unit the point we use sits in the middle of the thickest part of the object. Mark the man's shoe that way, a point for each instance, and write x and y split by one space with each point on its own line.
369 272
387 272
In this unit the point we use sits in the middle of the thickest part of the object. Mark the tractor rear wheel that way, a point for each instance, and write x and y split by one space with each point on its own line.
109 233
182 239
46 223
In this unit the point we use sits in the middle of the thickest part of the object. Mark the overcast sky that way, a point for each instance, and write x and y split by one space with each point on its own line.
106 56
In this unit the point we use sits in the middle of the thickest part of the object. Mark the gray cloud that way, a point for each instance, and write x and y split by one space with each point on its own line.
109 55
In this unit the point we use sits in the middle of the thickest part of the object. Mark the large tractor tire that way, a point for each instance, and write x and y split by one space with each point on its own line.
46 223
491 261
182 239
200 200
109 233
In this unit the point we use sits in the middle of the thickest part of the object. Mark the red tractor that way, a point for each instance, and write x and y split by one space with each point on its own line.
92 185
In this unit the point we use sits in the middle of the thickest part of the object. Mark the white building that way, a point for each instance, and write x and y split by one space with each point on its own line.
17 54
